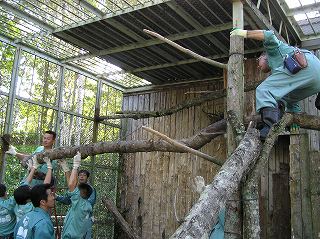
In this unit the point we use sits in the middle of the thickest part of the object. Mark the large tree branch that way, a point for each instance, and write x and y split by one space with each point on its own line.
196 141
204 213
184 105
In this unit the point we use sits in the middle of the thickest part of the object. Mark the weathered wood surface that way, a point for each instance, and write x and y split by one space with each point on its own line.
166 176
130 233
204 213
301 217
315 192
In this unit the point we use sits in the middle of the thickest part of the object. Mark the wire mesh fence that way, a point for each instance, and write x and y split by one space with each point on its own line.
46 97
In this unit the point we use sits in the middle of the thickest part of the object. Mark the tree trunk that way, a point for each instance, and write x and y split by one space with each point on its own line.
204 213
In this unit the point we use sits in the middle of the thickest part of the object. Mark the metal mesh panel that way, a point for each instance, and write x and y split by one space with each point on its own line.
38 79
36 109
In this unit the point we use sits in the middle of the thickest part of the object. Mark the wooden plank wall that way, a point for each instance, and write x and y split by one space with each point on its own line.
155 188
157 185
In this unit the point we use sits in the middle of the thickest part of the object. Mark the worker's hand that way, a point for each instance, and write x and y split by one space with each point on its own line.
63 164
77 161
48 162
12 150
35 163
294 128
239 32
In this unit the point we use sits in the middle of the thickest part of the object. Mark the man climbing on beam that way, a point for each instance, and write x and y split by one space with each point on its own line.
78 219
288 83
48 141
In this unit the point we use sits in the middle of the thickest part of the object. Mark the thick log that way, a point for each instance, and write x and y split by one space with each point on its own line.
119 218
204 213
196 141
251 226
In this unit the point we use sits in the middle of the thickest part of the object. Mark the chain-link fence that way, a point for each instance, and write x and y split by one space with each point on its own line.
38 95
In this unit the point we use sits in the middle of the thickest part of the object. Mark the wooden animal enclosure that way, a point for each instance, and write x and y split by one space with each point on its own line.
155 189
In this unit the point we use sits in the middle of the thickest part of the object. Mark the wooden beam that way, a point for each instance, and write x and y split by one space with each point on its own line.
153 42
256 14
119 218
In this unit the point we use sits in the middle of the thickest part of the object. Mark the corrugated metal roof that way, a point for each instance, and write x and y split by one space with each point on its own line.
95 34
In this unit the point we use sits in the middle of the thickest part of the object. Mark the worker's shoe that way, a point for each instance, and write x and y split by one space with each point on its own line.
269 116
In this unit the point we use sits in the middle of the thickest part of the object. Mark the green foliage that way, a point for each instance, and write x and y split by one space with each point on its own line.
38 83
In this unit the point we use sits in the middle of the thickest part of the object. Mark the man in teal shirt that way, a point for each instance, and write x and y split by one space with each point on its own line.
48 141
78 218
22 193
281 86
83 176
7 216
37 223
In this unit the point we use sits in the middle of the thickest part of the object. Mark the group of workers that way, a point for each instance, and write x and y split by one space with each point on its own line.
27 214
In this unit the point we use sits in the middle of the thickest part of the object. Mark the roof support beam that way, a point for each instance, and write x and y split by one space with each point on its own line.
152 42
26 16
188 18
110 15
178 63
292 23
303 9
91 8
252 10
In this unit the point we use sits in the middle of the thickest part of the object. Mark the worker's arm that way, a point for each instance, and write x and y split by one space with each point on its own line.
252 34
33 169
73 181
12 151
48 177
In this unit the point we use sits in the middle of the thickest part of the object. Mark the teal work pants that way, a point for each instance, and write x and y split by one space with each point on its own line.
283 86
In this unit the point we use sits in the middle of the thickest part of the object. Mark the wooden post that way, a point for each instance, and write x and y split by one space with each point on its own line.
315 192
301 224
235 96
124 225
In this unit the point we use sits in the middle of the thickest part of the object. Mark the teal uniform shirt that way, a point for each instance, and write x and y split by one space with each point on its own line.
21 210
282 85
92 200
43 167
78 218
34 225
7 217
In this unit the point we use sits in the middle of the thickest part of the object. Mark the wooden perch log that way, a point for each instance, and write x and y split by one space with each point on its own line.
251 226
196 141
185 50
184 147
204 214
119 218
184 105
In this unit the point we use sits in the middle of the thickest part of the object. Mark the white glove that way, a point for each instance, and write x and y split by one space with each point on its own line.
48 162
239 32
63 164
77 161
12 151
35 163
